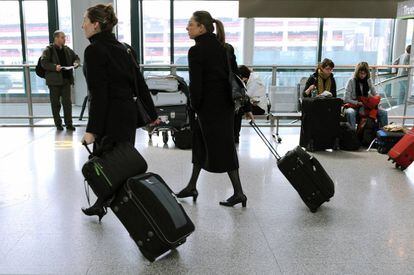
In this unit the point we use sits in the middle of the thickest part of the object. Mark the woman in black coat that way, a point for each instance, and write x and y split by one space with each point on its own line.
210 96
109 71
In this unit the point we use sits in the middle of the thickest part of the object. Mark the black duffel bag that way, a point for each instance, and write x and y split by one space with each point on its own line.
183 138
110 166
348 140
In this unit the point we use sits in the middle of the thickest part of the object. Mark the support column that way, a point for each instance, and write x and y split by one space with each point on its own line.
248 41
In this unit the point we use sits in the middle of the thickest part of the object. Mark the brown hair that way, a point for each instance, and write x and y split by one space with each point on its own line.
244 71
204 18
104 15
362 67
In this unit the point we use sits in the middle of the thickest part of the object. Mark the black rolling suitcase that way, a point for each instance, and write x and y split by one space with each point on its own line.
150 212
320 128
304 172
108 169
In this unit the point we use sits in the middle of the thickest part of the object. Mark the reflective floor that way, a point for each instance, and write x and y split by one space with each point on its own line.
367 228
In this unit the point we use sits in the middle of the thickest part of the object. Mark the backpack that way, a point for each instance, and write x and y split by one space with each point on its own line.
40 71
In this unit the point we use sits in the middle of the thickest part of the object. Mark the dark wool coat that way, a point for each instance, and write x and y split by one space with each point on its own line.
109 73
210 96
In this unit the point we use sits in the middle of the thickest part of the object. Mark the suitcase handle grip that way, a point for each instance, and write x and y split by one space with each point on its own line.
265 140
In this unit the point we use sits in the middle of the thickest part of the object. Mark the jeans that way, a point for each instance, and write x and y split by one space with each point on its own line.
351 114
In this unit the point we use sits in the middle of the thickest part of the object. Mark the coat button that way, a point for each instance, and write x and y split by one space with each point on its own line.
125 199
150 234
116 209
140 243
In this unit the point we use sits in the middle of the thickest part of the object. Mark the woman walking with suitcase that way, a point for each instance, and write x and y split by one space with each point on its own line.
210 96
111 82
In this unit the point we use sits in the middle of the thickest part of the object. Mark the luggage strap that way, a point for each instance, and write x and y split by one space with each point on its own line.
372 143
265 140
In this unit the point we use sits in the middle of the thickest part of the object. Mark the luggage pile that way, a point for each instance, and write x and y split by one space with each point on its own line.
142 201
171 97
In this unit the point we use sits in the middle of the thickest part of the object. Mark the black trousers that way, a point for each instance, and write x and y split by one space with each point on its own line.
61 95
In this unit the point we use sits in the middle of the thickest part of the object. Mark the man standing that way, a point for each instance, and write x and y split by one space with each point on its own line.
403 59
58 59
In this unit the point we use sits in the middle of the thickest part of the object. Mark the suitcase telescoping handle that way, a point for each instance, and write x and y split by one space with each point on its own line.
265 140
87 148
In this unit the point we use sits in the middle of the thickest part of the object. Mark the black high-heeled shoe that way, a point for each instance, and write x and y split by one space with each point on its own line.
95 210
233 200
185 193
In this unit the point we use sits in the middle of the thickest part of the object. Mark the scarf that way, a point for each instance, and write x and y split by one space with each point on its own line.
324 82
365 87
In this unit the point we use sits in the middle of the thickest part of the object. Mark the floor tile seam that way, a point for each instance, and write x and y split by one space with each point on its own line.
25 145
267 241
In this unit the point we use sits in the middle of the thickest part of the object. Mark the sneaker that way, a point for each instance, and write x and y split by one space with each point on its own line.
59 128
70 128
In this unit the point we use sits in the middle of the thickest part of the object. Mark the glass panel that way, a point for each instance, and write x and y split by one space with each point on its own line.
37 31
65 20
350 41
156 21
410 31
123 8
226 11
12 97
285 41
10 36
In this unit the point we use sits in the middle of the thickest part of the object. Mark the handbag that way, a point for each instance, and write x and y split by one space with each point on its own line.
143 118
238 88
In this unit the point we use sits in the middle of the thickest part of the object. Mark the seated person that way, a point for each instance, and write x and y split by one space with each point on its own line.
321 80
358 89
256 90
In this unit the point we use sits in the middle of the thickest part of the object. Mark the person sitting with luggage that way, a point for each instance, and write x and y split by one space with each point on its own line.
361 97
322 81
256 90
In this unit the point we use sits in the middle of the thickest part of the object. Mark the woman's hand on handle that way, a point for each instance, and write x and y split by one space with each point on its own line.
88 138
155 122
250 116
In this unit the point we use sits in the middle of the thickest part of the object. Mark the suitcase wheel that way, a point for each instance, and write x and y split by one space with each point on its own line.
165 137
402 168
310 147
336 145
313 210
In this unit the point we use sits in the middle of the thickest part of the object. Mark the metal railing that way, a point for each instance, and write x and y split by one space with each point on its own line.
174 69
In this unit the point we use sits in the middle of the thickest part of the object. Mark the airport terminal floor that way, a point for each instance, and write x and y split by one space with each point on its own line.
366 228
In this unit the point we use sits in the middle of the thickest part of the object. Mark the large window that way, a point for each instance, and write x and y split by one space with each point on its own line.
285 41
349 41
226 11
37 31
123 9
65 20
10 35
410 31
156 25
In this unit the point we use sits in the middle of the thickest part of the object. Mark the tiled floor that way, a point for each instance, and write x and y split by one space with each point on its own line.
367 228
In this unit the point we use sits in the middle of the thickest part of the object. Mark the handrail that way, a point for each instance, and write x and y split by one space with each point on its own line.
173 70
155 66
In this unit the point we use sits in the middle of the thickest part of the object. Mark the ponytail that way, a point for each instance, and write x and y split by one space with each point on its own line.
221 35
